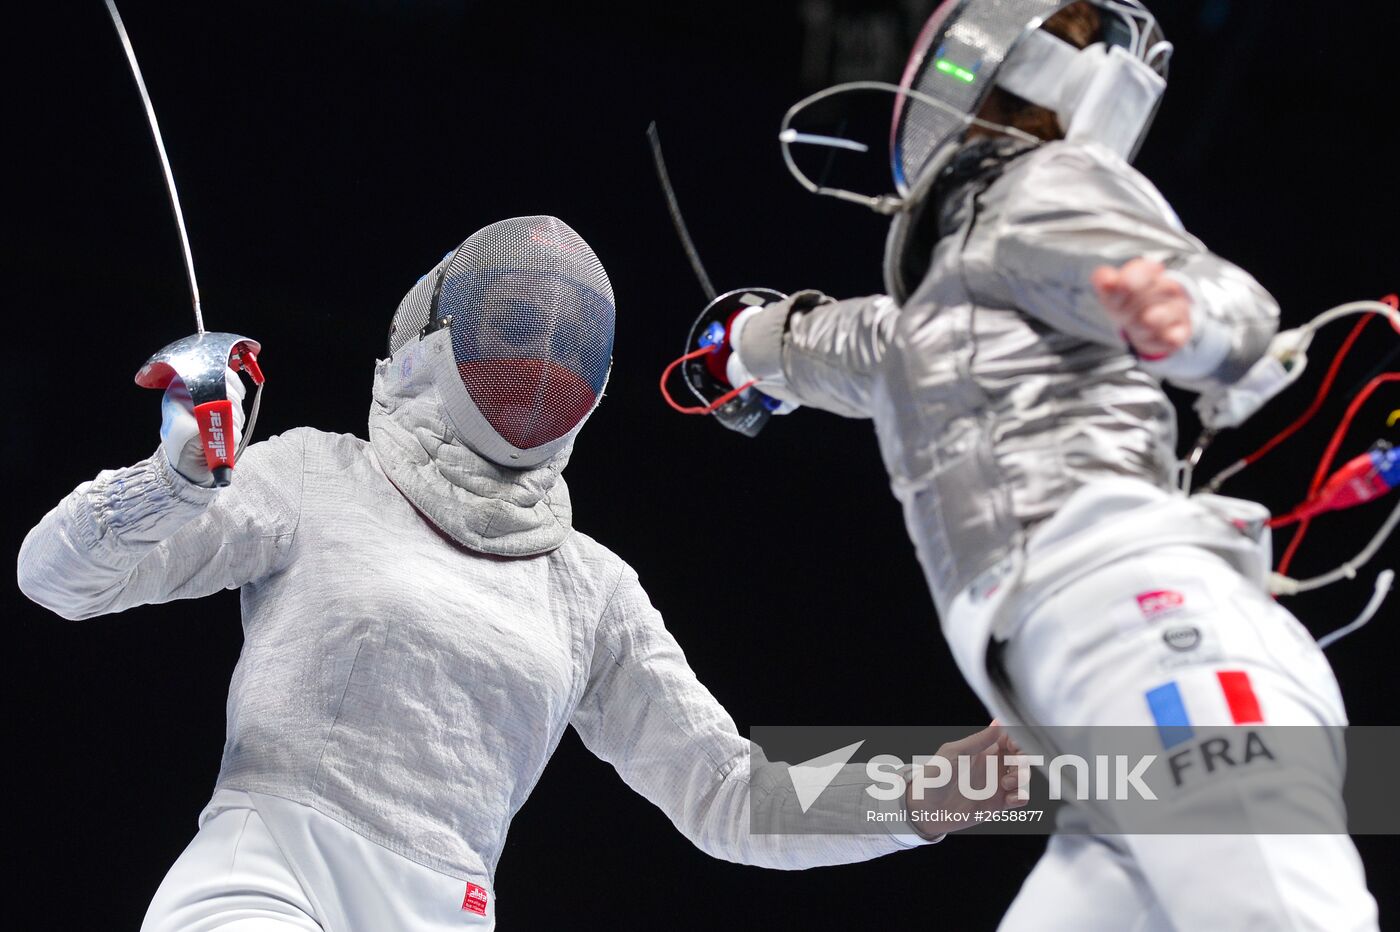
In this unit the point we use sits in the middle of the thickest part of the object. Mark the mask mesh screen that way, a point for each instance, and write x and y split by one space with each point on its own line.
532 326
955 60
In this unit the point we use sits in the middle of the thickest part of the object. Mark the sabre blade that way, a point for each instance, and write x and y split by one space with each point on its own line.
674 207
164 162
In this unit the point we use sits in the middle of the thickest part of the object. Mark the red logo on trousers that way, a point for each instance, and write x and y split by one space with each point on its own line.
475 900
1163 600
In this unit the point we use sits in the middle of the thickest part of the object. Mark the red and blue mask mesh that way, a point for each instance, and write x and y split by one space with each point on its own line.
531 314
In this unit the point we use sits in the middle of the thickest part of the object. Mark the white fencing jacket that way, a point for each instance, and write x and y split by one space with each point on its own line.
408 686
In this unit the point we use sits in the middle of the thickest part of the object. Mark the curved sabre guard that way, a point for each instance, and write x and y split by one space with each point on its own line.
199 360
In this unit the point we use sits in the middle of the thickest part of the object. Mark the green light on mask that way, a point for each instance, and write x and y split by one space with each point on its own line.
956 71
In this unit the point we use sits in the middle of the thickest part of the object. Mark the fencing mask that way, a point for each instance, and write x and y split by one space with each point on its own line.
520 318
1107 93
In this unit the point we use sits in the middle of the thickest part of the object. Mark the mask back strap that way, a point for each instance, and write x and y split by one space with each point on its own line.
1038 69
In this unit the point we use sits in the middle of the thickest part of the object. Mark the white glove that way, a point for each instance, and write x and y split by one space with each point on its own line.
1278 368
739 374
179 431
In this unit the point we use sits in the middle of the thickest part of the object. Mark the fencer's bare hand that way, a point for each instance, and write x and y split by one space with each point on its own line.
970 754
1152 308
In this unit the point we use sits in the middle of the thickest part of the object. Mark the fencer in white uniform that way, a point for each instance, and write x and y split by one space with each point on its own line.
1039 291
421 621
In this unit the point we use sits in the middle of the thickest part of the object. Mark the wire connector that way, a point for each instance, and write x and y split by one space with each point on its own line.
1363 479
714 336
1277 369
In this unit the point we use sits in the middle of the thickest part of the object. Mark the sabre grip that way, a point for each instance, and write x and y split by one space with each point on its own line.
217 436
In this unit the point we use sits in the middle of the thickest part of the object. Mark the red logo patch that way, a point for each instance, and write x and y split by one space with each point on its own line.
475 900
1156 603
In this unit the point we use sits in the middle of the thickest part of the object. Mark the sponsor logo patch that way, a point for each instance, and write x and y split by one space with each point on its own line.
1182 637
1160 602
475 900
217 443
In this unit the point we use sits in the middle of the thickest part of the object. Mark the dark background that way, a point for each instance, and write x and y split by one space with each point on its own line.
329 153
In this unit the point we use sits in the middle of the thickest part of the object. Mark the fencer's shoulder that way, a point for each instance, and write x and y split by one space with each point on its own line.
1063 158
601 578
283 450
303 441
1080 176
322 443
587 551
308 447
1066 156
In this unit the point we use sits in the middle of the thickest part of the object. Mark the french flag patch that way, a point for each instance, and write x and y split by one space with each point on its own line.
1169 706
475 900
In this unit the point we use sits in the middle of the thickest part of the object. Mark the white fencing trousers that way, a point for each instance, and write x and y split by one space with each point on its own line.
264 864
1176 618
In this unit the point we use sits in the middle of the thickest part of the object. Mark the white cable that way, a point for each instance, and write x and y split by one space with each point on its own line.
1354 307
1383 583
834 142
884 204
1283 585
252 421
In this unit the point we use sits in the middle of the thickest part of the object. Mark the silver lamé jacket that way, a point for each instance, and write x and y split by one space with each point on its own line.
420 626
999 387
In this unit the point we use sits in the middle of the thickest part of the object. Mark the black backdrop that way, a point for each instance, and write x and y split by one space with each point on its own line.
329 153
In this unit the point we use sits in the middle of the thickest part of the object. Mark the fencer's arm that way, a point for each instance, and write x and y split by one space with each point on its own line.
645 713
145 534
818 352
1076 209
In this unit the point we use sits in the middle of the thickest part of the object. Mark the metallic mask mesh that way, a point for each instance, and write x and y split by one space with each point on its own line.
955 60
531 314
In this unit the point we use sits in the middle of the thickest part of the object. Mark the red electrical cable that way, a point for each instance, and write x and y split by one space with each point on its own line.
1318 399
1293 516
1326 463
1292 549
699 409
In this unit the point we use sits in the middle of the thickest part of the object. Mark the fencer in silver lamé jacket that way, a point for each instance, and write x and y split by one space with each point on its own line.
420 626
998 387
